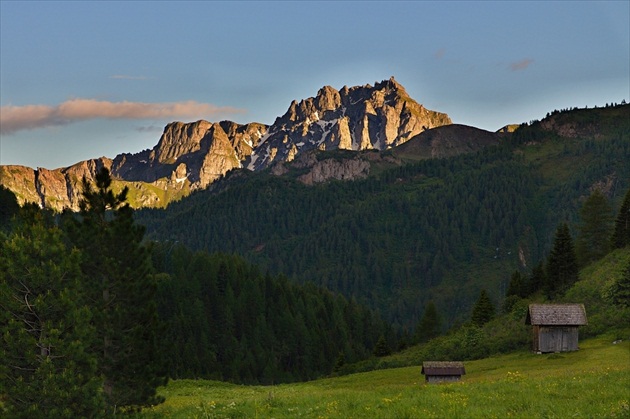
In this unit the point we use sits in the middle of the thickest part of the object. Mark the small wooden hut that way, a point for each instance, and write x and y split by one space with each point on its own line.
555 326
442 371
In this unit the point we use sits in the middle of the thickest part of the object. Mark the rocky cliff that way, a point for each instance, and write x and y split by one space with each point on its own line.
315 166
190 156
357 118
56 189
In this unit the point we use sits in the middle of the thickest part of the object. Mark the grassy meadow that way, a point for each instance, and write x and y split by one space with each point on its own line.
592 382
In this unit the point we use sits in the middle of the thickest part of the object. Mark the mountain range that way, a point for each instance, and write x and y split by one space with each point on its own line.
451 211
191 156
367 193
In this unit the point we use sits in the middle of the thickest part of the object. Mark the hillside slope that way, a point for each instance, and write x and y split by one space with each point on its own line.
412 229
593 382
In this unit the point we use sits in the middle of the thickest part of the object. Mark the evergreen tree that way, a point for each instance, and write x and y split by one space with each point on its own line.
538 278
46 368
8 207
121 287
483 311
621 234
518 286
593 239
620 291
381 348
430 324
562 267
340 362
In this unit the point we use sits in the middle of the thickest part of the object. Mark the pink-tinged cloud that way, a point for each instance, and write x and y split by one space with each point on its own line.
18 118
521 65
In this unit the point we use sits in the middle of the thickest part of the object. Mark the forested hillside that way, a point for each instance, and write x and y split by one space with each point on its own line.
94 318
434 229
244 282
225 320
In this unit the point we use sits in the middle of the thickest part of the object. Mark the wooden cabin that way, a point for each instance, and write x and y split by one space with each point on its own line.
555 326
442 371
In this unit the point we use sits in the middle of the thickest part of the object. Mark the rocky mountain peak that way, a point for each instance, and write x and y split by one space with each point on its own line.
356 118
328 99
193 155
179 138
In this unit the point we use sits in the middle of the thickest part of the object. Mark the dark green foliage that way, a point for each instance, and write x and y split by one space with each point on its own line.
381 348
409 233
562 267
8 207
120 287
509 302
593 238
596 289
227 321
538 278
483 311
340 362
382 240
430 324
620 291
519 285
47 367
621 234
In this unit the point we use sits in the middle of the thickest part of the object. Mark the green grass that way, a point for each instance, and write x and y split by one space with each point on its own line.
592 382
153 195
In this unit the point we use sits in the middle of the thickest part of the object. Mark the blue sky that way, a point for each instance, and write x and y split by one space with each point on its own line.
81 80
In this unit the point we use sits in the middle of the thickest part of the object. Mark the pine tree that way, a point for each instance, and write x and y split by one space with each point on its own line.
593 239
121 287
340 362
538 278
8 207
519 286
430 324
621 234
483 311
620 291
562 267
47 368
381 348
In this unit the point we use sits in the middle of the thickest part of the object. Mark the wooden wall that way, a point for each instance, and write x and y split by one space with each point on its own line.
555 338
442 378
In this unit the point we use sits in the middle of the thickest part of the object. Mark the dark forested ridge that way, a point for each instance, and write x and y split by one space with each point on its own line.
225 320
94 318
265 280
432 229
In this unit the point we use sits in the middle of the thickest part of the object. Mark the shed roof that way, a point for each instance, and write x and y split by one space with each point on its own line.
443 368
556 315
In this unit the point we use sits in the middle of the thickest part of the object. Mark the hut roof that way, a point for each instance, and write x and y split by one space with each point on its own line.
556 315
443 368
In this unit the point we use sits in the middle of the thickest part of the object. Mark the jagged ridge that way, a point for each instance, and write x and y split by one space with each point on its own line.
191 156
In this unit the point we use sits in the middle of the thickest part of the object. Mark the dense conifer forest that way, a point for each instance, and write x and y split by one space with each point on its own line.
94 318
266 280
226 320
431 230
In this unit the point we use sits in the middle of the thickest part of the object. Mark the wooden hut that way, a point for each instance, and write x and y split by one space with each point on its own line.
555 326
442 371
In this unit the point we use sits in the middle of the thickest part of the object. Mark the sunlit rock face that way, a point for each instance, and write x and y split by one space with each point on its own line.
357 118
190 156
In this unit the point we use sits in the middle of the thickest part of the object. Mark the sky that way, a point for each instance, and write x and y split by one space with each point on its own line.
81 80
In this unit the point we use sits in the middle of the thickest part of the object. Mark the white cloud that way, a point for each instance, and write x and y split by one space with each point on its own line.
18 118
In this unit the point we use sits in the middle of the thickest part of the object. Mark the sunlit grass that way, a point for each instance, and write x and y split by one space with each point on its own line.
593 382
